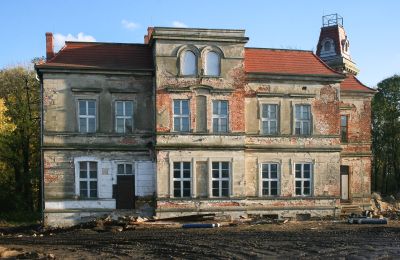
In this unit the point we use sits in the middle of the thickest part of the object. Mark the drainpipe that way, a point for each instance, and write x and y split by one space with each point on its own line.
41 146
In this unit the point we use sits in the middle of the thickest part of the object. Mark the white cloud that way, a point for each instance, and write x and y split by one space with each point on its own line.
59 39
178 24
129 25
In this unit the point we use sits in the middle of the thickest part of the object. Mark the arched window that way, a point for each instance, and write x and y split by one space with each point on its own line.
188 63
327 46
212 64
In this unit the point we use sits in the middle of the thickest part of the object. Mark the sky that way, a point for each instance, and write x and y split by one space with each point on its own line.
373 27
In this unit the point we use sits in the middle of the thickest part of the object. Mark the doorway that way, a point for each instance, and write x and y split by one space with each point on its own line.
344 182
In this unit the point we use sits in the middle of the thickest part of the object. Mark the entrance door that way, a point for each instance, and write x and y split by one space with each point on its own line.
125 195
344 182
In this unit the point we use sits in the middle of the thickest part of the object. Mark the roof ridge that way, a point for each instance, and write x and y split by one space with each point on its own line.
277 49
108 43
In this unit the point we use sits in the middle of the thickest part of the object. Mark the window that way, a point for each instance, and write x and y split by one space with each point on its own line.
188 63
220 179
212 64
344 129
125 169
303 179
123 116
220 116
181 115
270 179
327 46
182 179
269 119
88 179
303 120
87 116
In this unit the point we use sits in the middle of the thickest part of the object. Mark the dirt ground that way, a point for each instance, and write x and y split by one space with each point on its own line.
304 240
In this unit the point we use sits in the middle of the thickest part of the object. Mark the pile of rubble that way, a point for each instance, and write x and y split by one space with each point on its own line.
388 207
11 253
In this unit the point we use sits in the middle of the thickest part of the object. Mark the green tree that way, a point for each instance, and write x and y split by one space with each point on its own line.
386 136
20 148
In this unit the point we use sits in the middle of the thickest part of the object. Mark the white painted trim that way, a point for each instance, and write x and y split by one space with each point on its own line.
304 161
260 178
77 160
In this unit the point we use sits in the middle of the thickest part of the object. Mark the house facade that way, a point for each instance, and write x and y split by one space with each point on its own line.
203 124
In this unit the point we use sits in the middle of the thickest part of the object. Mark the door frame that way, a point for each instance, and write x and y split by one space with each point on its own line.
348 182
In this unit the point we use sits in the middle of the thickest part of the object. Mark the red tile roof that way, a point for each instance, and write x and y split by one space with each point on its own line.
96 55
353 84
278 61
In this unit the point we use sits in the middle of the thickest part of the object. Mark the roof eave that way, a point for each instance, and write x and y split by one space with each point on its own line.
261 76
43 68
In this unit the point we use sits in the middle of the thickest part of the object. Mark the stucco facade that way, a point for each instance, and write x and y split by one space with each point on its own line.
215 128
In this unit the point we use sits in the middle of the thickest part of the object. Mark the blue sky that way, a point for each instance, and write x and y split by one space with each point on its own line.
373 27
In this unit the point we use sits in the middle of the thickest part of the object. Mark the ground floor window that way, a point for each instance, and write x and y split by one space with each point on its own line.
303 174
220 179
182 179
88 179
270 179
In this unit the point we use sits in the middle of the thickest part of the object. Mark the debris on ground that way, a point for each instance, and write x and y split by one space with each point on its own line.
388 207
201 225
11 253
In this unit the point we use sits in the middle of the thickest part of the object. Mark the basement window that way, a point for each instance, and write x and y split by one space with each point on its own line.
182 179
221 179
303 178
88 179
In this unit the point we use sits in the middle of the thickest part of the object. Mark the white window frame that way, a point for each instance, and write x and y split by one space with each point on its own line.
124 117
183 71
302 179
182 179
218 116
180 116
218 65
220 179
269 180
301 120
77 161
269 119
87 116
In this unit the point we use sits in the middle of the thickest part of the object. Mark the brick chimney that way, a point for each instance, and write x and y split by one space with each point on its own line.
147 37
49 46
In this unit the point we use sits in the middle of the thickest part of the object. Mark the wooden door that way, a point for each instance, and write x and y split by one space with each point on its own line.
125 195
344 182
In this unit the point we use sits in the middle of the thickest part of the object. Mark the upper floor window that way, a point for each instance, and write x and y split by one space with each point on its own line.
123 116
188 63
181 115
87 116
270 179
88 179
220 116
269 119
302 119
344 128
221 179
212 64
303 176
182 179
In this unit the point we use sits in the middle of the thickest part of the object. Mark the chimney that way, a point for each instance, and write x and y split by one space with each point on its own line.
147 37
49 46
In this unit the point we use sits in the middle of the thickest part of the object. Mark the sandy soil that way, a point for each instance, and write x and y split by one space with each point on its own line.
304 240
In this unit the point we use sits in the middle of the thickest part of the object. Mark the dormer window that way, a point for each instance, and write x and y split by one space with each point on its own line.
327 46
188 63
212 64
